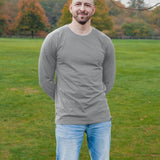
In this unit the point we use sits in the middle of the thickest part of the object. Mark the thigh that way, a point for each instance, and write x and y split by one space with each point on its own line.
69 140
99 139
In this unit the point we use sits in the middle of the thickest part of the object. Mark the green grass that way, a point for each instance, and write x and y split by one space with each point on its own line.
27 113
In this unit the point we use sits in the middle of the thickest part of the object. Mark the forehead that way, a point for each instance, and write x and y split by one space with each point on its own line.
83 1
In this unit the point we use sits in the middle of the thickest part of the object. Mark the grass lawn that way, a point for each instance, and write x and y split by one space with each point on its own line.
27 113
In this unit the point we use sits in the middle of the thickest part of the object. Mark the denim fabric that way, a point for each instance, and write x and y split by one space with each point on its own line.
69 140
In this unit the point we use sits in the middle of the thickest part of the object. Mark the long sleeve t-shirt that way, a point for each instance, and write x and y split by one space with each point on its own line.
85 71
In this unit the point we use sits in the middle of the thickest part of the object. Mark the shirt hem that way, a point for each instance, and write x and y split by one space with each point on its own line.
80 122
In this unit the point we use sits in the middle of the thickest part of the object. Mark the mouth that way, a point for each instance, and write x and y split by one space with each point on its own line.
82 14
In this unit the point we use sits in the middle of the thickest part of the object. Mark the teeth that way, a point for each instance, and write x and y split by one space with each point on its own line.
82 13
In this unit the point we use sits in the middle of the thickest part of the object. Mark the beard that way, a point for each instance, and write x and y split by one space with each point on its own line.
82 17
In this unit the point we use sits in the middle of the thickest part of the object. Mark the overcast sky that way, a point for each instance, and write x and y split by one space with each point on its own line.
151 2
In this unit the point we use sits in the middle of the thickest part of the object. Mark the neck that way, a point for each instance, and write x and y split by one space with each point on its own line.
79 28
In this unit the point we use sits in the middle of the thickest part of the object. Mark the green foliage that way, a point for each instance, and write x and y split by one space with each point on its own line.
138 4
1 3
114 10
137 29
101 19
66 16
148 19
2 25
53 9
155 18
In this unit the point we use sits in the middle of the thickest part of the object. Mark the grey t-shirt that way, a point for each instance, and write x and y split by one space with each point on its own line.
85 71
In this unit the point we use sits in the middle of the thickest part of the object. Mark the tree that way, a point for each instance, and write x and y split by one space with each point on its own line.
31 17
53 9
100 20
138 4
137 29
66 16
155 18
2 19
115 10
10 10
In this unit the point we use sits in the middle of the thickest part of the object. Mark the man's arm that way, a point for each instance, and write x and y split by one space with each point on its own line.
109 67
47 65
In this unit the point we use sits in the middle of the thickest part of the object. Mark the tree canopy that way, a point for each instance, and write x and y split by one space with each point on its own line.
109 18
53 9
31 17
101 20
138 4
66 16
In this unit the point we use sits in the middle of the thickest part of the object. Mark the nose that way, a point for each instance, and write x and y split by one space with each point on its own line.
82 7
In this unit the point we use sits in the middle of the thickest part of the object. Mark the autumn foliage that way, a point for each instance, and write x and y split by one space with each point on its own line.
35 17
31 17
66 16
101 19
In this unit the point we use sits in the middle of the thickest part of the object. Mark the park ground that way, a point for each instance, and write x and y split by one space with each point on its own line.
27 113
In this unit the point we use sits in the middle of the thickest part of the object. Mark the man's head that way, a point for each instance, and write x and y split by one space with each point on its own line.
82 10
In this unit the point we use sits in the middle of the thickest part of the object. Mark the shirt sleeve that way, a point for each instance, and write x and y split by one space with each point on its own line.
109 66
47 65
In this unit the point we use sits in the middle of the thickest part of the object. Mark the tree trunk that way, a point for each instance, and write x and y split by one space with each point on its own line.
32 34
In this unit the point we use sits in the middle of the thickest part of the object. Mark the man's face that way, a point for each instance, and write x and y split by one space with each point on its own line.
82 10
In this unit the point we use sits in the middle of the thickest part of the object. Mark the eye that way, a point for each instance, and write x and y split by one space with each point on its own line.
77 4
87 5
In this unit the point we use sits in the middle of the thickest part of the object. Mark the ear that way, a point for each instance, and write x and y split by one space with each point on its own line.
70 8
94 9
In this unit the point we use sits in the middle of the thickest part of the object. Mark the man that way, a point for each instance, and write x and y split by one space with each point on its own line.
84 63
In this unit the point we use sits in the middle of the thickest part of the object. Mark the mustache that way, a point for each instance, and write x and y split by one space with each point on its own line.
82 13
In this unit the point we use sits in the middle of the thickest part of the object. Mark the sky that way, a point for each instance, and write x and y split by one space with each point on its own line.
151 2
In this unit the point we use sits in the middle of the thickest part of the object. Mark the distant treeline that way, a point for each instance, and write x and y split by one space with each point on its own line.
37 18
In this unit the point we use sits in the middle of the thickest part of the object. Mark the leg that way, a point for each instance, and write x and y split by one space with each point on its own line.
99 139
69 140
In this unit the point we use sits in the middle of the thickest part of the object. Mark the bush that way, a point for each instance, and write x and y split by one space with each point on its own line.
138 29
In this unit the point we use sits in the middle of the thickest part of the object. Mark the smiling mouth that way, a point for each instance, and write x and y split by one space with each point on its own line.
82 14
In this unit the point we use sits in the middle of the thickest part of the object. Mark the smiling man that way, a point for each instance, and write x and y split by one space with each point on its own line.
82 12
83 60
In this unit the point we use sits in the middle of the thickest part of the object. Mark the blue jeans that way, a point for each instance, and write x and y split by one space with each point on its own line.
69 140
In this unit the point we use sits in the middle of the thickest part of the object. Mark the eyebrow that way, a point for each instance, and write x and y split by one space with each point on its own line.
86 3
